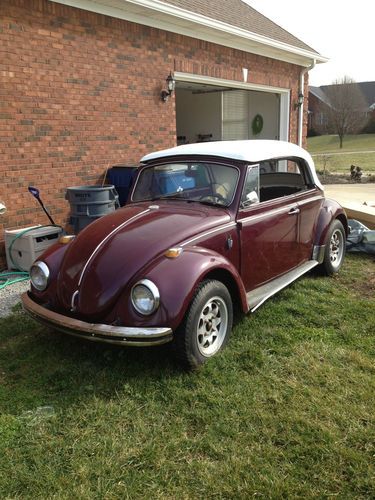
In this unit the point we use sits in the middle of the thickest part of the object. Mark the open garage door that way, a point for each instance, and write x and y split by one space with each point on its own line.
215 113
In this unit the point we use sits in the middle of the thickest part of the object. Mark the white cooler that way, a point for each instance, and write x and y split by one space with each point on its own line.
28 247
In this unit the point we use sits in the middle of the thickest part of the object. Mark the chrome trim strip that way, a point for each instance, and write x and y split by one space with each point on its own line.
275 211
208 233
72 306
257 297
106 239
315 198
123 335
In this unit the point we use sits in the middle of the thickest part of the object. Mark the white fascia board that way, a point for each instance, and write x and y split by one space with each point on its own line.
157 14
220 82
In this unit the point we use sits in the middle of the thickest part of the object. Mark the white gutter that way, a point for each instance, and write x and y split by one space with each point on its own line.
157 14
301 107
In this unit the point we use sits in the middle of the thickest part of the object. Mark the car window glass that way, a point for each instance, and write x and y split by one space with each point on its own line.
250 192
194 181
282 177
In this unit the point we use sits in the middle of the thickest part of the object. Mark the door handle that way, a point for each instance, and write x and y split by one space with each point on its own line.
294 211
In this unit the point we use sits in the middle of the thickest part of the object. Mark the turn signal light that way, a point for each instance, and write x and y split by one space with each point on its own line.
67 238
173 253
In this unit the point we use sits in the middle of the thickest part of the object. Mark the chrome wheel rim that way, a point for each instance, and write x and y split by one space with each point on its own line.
336 248
212 326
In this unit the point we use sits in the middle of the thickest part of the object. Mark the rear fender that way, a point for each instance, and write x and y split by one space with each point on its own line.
329 211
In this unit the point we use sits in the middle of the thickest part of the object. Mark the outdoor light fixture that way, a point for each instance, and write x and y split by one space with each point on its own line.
171 83
300 99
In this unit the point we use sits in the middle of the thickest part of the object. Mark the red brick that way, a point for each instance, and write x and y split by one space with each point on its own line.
80 91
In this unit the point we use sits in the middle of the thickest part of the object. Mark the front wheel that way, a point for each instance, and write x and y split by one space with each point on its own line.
207 325
335 249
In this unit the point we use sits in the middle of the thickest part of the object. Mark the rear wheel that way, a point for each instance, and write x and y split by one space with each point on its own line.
207 325
335 249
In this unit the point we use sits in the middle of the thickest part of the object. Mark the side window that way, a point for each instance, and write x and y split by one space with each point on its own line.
250 193
282 177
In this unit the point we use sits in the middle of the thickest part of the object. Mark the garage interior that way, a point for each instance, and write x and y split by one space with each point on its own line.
214 113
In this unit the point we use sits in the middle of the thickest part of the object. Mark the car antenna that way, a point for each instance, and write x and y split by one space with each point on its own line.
35 192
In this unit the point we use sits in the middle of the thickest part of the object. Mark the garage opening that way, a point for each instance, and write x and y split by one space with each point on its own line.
215 113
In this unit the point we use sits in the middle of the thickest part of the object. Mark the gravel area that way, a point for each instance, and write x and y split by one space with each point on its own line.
10 296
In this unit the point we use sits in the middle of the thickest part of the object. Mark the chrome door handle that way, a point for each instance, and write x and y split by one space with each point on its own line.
294 211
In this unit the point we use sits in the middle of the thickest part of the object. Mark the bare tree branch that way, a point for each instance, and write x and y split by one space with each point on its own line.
347 111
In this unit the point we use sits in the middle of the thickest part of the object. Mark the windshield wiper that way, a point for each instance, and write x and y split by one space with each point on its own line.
211 203
172 196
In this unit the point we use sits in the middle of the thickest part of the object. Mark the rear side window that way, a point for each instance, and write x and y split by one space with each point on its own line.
282 177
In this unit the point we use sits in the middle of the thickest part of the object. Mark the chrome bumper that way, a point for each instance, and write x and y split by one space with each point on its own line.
120 335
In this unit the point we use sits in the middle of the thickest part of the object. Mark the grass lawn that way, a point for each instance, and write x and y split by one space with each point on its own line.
286 411
356 151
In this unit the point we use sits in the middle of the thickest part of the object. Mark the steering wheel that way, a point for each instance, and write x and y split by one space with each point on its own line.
215 195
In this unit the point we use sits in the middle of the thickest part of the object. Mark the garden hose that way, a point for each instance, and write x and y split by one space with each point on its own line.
12 277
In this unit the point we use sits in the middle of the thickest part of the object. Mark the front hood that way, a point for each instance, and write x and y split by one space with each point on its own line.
110 251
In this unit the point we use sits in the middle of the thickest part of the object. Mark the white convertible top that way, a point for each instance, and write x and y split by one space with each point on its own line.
251 151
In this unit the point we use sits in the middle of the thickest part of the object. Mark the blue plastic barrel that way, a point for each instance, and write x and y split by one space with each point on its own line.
122 176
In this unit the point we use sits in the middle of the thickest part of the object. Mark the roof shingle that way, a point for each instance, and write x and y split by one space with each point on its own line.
240 15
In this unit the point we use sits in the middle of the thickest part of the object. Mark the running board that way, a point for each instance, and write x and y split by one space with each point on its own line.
256 297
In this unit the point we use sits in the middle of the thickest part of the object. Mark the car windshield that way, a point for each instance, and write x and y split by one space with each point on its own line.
210 183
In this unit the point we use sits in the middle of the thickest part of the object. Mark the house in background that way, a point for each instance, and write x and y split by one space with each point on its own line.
82 82
319 104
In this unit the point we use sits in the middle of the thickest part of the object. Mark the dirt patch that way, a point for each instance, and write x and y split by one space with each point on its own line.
363 283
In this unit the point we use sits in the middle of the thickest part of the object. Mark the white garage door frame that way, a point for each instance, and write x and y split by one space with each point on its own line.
284 94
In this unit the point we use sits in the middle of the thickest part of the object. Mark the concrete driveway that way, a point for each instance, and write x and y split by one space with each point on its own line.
353 198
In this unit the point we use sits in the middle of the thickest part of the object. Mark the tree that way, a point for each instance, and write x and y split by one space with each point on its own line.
347 111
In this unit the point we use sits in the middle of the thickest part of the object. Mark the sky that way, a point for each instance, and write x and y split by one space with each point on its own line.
342 31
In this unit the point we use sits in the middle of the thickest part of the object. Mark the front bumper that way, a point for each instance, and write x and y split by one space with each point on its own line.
120 335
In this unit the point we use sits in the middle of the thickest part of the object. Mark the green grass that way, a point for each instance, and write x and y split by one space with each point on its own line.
356 151
286 411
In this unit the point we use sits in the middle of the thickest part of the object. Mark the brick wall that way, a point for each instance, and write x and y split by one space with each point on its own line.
81 91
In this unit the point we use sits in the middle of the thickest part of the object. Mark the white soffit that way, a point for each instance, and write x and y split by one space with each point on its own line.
156 14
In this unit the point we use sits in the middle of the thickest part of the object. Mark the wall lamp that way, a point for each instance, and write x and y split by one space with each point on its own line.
171 84
300 100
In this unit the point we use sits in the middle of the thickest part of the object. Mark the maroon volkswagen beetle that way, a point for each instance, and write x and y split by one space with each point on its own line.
208 227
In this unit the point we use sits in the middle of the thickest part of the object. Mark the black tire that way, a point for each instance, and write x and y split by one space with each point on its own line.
206 326
335 249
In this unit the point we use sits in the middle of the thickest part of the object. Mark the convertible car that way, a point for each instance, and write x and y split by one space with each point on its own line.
208 227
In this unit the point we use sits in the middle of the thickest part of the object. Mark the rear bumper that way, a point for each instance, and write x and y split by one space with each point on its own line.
120 335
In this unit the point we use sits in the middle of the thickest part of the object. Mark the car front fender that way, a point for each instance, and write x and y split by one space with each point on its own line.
177 279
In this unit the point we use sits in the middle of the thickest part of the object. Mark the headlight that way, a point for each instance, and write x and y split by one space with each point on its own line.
145 297
39 275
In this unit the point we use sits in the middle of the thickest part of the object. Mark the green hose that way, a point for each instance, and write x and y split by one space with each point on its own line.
10 278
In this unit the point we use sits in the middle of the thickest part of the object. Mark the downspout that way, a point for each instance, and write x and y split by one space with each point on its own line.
301 91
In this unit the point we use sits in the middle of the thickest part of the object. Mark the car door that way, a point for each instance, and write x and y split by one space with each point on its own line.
309 203
269 237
